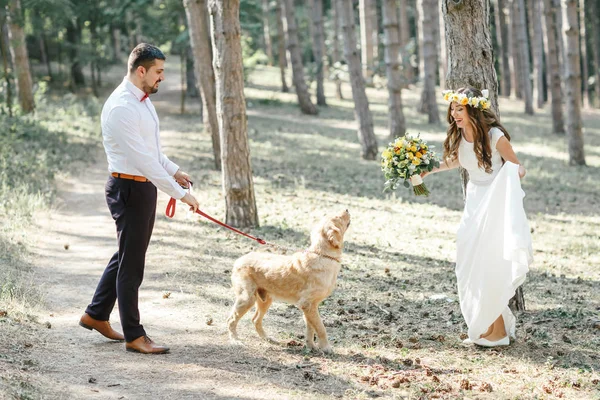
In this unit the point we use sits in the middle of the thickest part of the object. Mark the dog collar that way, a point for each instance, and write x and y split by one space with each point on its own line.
323 255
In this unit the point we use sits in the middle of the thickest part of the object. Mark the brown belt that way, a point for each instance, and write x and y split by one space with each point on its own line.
136 178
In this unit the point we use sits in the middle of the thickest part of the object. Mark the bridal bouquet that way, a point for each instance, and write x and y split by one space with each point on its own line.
404 160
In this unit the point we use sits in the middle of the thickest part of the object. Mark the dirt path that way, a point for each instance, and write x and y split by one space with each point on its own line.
72 246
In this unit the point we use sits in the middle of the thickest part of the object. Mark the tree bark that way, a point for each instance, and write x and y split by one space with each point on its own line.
428 103
267 31
523 44
281 47
20 57
318 43
366 135
440 37
560 39
116 42
365 8
594 11
396 121
538 52
573 83
238 186
408 71
514 49
197 18
191 84
336 56
4 48
584 58
44 55
558 124
291 33
471 18
504 44
74 39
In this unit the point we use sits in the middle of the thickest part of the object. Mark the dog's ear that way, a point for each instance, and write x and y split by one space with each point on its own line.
334 236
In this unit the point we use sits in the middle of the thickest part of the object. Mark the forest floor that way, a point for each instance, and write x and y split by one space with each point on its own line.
394 319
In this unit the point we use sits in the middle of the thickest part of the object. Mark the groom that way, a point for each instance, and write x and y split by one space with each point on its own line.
137 167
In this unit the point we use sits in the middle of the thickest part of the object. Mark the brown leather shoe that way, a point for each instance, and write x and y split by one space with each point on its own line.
103 327
145 345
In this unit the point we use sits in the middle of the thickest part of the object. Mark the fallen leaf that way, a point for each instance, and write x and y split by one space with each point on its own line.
166 295
465 384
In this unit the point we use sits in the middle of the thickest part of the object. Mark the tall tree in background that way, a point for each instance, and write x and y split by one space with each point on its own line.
428 103
595 25
396 121
197 18
573 83
318 45
365 9
523 46
4 49
538 51
558 124
440 38
267 31
336 56
366 135
514 50
471 19
584 58
502 32
18 48
74 39
281 46
291 34
408 72
238 186
560 40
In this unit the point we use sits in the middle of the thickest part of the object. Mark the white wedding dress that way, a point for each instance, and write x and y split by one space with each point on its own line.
494 248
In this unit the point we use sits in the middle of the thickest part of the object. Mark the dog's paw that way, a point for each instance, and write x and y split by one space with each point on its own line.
236 342
327 349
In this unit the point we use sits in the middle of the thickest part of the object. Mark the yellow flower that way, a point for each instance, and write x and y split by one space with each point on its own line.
474 101
410 155
416 161
447 96
419 155
455 97
486 104
387 153
413 149
464 101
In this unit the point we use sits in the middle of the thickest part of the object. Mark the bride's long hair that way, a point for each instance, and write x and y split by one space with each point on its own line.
481 121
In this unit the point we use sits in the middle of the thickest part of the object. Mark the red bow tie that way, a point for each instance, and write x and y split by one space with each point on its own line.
145 97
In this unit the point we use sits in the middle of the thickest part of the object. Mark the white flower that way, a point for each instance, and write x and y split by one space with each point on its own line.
485 93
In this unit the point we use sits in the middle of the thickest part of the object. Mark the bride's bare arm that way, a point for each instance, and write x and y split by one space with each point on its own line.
444 166
507 153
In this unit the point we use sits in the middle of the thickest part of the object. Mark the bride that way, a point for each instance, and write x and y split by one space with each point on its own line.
494 248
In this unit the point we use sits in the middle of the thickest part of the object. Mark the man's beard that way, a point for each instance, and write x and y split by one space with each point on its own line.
151 89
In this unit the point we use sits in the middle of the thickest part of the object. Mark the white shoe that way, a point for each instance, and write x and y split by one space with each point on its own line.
505 341
467 341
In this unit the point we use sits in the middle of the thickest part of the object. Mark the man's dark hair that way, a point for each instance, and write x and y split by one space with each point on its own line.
144 54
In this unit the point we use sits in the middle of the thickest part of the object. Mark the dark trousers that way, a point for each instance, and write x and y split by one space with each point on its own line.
133 207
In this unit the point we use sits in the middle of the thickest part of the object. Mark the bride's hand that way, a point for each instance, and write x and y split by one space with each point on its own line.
424 174
522 171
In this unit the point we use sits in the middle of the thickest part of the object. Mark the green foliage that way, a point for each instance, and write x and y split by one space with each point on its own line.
250 57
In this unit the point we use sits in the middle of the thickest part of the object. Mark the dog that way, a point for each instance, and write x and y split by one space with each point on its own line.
303 279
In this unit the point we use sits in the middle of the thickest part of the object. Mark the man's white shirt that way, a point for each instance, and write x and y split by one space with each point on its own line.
130 132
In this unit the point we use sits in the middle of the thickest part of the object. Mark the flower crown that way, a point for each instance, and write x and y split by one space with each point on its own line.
483 103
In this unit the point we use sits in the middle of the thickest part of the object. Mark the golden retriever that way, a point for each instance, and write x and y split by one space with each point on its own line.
304 279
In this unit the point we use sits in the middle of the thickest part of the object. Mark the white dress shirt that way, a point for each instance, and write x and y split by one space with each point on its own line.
130 133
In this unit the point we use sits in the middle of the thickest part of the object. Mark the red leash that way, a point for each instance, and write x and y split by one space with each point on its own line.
170 212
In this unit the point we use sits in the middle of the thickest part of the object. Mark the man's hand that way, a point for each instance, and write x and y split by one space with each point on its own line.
182 178
191 201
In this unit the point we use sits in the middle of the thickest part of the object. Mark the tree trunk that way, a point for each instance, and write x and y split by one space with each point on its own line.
465 18
523 44
20 57
560 39
281 47
365 8
74 39
419 4
404 41
428 103
514 49
44 55
318 42
374 33
594 11
366 135
197 18
191 84
116 42
4 48
440 37
267 31
584 58
503 44
538 52
558 124
238 186
573 83
397 123
291 34
336 56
